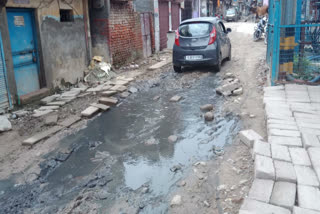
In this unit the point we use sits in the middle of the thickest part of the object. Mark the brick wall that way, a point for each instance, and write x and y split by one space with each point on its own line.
125 33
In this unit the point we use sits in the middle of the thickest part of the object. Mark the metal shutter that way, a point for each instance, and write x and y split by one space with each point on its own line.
4 98
164 23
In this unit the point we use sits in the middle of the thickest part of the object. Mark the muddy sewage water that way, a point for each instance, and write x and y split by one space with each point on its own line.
125 155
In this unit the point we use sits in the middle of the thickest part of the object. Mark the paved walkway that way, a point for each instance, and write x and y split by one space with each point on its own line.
287 167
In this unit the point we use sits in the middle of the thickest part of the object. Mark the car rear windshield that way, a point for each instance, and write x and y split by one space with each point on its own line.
195 29
231 11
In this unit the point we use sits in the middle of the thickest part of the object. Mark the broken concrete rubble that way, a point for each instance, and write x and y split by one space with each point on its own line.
228 87
5 124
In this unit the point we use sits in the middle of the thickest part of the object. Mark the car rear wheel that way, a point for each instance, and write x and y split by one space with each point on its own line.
218 66
229 56
177 69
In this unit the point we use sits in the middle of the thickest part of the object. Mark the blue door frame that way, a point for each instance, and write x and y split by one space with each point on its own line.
24 48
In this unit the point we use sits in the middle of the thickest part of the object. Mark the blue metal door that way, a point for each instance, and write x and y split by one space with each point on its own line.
24 50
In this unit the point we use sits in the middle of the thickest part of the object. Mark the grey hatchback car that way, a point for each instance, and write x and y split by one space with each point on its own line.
201 41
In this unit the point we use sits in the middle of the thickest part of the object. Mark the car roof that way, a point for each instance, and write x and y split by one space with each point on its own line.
202 19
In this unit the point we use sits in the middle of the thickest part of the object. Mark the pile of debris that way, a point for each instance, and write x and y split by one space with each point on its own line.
98 71
230 86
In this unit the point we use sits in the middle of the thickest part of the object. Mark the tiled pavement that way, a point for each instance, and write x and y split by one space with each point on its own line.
287 167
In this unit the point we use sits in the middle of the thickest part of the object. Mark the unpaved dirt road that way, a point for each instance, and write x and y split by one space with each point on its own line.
122 161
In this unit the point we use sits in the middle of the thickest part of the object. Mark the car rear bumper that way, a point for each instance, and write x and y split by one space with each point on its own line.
209 54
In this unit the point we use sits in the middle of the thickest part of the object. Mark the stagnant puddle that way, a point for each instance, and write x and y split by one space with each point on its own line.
124 154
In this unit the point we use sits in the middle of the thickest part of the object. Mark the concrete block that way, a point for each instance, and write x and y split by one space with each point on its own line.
264 168
90 111
101 106
175 98
286 133
33 96
261 190
110 101
283 122
49 99
281 153
118 88
108 93
96 89
51 120
5 124
308 197
40 136
282 127
314 154
310 140
44 108
299 210
261 148
284 194
299 156
285 141
285 171
257 207
38 113
70 121
159 65
57 103
248 137
306 176
106 87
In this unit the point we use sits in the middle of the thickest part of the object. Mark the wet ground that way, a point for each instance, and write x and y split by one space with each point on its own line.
125 153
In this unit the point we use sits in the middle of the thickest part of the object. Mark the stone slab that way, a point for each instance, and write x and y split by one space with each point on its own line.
38 113
285 141
261 148
70 121
124 94
310 140
44 108
299 210
90 111
57 103
5 124
159 65
264 168
286 133
308 197
283 122
285 171
101 106
96 89
108 93
118 88
248 137
109 101
49 99
281 153
51 120
175 98
282 127
261 190
306 176
40 136
257 207
33 96
284 194
299 156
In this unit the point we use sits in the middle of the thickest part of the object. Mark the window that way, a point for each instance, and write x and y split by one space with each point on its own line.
66 16
221 26
195 29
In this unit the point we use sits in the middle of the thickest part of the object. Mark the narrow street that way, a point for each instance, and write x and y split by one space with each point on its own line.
122 161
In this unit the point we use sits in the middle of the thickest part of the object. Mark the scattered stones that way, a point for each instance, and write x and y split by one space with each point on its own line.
222 188
237 92
252 116
172 139
176 201
124 94
182 183
218 151
151 141
208 116
175 168
51 120
21 113
228 87
207 107
94 144
206 203
248 137
108 101
38 113
156 98
108 93
5 124
101 106
90 111
133 90
103 195
145 190
175 98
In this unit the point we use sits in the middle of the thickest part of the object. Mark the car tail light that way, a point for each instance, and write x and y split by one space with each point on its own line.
213 36
176 41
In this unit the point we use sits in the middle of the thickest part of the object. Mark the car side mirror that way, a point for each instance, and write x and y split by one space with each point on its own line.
229 30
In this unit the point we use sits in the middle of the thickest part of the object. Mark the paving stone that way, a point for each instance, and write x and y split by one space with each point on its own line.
282 126
70 121
286 133
261 148
44 108
299 210
314 154
175 98
284 122
57 103
308 197
257 207
51 120
5 124
49 99
101 106
108 93
306 176
90 111
310 140
284 194
133 90
42 135
299 156
118 88
264 168
108 101
285 171
285 141
38 113
248 137
281 153
261 190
